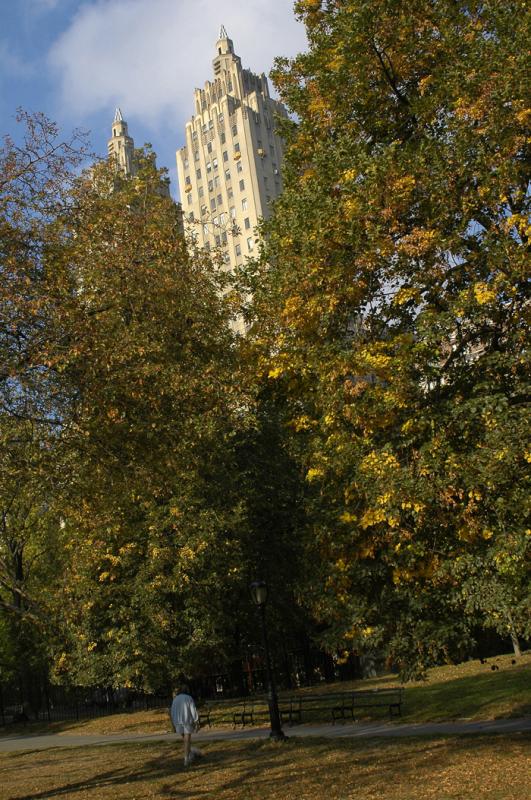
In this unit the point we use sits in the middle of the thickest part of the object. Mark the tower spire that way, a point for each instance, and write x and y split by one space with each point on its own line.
121 146
223 33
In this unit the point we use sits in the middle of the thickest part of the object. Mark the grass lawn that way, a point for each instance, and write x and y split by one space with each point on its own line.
449 768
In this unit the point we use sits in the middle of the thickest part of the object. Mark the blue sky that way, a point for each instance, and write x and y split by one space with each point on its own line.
76 60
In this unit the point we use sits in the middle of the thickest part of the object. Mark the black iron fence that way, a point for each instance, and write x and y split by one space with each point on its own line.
39 700
50 703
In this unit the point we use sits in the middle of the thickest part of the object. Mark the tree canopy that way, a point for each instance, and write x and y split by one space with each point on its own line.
390 307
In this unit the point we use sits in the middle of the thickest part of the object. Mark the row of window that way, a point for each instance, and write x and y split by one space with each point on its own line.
210 125
219 240
212 186
222 218
213 165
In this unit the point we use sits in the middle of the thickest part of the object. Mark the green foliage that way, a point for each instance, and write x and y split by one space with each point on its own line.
389 308
149 365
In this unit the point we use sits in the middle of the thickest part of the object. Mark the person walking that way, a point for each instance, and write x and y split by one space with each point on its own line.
185 720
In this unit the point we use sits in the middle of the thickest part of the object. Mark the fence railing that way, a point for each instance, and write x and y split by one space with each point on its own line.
42 701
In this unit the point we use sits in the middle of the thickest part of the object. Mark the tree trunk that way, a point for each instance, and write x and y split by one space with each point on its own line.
514 638
516 643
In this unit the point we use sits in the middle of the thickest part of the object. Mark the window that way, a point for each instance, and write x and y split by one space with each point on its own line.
247 223
221 119
203 210
210 185
185 163
224 237
189 199
239 166
223 218
216 181
230 193
205 229
219 200
196 155
227 174
216 220
201 191
215 163
232 212
191 216
209 147
209 166
244 204
204 128
242 185
198 174
222 137
213 204
250 243
237 147
211 124
194 134
225 156
234 130
218 240
238 249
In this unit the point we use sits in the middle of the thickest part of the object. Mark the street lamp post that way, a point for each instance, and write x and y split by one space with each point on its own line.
259 595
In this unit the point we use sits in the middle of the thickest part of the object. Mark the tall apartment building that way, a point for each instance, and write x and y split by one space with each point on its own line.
121 147
229 168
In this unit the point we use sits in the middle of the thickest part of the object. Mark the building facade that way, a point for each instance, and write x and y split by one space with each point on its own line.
229 170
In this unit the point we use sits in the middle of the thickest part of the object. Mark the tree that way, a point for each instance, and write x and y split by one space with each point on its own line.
389 306
146 355
34 179
141 468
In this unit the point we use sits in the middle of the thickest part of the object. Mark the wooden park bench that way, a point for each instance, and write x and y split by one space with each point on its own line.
205 711
244 714
368 698
291 708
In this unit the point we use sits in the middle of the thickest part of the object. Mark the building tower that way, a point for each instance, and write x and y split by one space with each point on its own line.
121 146
229 168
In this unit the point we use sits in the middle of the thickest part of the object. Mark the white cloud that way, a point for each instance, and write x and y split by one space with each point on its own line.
148 55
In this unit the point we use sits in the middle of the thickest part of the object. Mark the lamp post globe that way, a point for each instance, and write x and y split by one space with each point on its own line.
259 592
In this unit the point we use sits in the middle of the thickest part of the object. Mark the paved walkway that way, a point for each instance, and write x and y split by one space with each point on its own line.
359 729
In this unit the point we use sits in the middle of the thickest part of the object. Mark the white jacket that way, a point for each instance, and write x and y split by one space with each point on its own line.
184 712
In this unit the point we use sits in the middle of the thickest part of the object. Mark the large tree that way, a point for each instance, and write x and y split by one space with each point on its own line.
390 308
36 173
150 509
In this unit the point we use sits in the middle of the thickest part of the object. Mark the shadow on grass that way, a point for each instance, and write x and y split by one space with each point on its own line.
269 769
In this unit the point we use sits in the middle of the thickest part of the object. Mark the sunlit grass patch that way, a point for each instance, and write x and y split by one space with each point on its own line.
491 768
